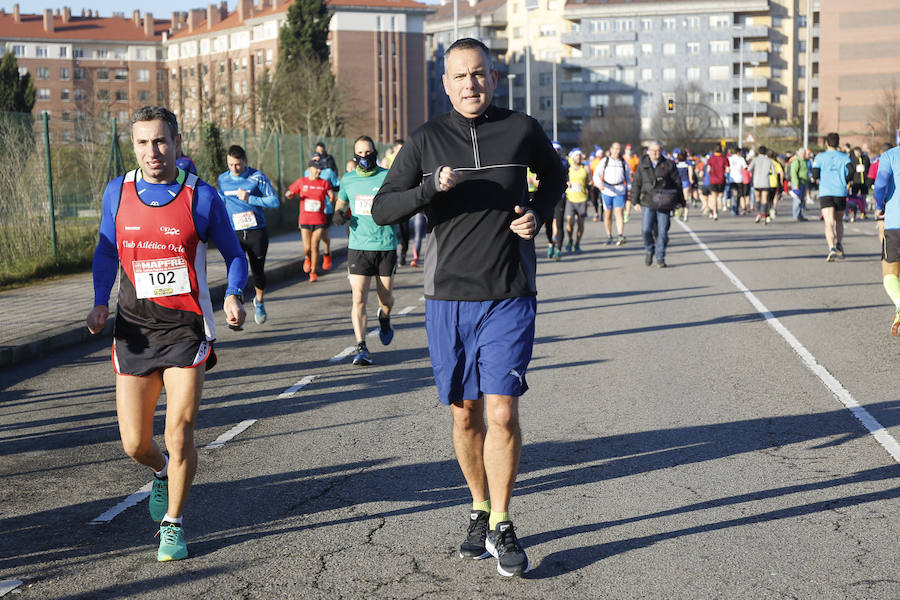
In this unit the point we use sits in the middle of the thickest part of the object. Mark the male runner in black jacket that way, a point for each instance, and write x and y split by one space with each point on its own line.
467 170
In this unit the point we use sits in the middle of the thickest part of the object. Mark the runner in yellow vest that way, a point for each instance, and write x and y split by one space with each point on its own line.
576 200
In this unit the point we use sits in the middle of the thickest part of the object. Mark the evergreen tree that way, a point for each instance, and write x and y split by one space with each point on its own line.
211 159
304 36
17 93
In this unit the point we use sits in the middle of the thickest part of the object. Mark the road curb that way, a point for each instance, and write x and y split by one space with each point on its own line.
75 333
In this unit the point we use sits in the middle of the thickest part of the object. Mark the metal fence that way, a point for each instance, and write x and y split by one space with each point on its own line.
51 186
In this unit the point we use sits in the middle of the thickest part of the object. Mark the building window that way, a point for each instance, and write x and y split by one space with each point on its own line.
102 74
268 56
121 95
625 50
143 75
160 96
646 24
144 95
546 102
142 54
123 116
66 115
43 93
63 52
102 52
624 24
64 73
669 49
78 73
103 95
646 49
693 48
669 24
78 52
801 21
599 50
160 75
669 74
693 73
625 100
629 75
597 75
64 94
79 95
599 26
546 78
547 31
259 58
42 72
719 22
719 72
693 22
596 100
18 50
646 74
719 47
41 51
121 74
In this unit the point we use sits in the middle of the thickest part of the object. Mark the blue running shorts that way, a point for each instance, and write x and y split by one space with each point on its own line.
480 347
611 202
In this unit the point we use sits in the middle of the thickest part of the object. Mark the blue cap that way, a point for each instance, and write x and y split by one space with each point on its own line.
556 145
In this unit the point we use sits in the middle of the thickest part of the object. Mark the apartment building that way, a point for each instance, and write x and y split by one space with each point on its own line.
86 66
859 69
216 58
740 64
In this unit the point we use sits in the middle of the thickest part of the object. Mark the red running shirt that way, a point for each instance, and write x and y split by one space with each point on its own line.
313 193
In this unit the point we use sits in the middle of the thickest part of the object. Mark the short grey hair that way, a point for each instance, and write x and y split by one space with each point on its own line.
154 113
469 44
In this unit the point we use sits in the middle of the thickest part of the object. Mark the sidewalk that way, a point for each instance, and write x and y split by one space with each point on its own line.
41 318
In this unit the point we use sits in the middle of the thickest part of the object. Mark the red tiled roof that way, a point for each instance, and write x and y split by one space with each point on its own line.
115 29
233 20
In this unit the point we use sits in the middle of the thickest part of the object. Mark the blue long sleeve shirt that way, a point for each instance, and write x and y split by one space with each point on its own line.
210 218
262 194
886 185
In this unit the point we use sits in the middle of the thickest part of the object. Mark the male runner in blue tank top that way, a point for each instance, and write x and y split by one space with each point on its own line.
833 170
155 225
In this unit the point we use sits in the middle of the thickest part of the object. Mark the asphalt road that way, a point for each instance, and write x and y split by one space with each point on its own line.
678 443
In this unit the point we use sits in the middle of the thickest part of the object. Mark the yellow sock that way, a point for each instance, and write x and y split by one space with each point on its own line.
482 506
892 287
497 517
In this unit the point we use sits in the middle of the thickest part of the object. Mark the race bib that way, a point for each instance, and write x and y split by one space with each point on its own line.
860 168
576 187
161 277
364 204
244 220
312 206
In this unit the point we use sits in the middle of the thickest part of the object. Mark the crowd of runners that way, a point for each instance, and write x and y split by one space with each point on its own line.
480 263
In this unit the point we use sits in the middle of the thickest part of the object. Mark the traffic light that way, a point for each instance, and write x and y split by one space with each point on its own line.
670 105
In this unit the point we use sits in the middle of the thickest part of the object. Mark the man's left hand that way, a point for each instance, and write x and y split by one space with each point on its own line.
525 226
242 195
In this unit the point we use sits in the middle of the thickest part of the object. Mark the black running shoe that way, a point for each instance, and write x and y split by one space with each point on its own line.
473 546
504 545
840 250
648 259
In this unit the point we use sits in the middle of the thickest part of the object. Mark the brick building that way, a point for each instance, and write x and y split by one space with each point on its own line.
86 66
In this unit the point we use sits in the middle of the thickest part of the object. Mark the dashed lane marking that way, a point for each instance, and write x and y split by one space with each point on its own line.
220 441
289 393
840 392
8 585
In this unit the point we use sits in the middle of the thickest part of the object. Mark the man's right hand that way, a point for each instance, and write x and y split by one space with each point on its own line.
447 179
96 319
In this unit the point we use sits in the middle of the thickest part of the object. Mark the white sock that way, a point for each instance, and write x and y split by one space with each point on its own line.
165 470
170 519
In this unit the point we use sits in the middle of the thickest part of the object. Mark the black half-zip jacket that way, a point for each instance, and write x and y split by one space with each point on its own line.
472 254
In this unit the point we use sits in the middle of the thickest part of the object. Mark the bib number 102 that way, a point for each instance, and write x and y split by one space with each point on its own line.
166 277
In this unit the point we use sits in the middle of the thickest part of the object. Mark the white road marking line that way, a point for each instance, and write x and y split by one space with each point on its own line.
373 332
9 585
142 493
840 392
220 441
121 506
407 310
288 393
343 354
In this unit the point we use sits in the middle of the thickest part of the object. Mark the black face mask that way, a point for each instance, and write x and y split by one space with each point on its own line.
366 162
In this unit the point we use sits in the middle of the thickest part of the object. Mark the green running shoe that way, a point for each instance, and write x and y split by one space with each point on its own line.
171 543
159 499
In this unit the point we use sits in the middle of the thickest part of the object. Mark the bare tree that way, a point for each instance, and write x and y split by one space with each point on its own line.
694 122
885 115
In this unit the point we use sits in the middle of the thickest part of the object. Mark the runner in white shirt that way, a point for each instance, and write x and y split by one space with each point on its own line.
613 178
736 166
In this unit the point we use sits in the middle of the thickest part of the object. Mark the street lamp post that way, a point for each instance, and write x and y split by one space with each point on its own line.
511 77
740 140
755 79
555 104
838 99
808 92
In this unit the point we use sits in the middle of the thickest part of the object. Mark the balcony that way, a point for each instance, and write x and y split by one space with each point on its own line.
750 56
581 37
604 61
600 87
760 83
752 31
497 44
761 108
